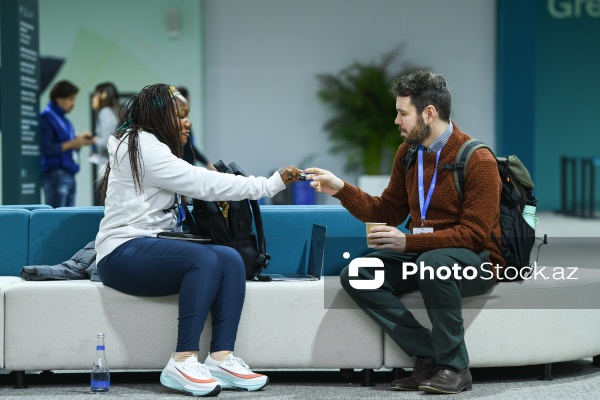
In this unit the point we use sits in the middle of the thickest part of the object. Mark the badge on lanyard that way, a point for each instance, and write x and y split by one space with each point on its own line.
180 214
424 201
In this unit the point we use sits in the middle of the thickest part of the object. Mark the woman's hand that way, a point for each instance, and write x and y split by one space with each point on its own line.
324 181
290 174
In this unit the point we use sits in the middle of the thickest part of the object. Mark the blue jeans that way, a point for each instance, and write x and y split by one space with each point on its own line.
59 188
207 278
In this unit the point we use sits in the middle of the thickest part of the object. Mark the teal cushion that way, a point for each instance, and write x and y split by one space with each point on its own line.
288 230
14 236
56 235
26 206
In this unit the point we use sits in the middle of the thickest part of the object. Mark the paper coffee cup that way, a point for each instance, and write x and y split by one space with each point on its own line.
369 225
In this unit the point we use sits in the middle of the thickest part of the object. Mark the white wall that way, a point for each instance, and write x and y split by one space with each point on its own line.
261 58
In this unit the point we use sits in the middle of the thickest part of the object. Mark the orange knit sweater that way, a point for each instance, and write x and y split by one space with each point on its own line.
462 224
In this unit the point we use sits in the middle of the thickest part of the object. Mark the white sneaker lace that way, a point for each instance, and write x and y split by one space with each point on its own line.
197 367
232 360
202 369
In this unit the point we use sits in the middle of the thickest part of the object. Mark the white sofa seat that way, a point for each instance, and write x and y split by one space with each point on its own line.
5 282
52 325
522 323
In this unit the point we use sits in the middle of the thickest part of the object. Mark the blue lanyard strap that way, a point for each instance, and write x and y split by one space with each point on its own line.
180 210
66 128
424 202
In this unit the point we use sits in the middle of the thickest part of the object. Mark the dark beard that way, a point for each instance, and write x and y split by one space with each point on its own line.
419 133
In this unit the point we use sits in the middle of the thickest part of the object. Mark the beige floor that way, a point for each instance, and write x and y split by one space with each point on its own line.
560 225
572 241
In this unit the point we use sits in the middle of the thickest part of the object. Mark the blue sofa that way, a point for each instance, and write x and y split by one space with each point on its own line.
52 325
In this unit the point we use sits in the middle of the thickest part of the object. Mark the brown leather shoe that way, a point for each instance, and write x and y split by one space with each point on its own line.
448 380
421 372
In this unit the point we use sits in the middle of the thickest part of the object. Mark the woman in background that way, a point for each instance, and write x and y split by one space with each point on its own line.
105 103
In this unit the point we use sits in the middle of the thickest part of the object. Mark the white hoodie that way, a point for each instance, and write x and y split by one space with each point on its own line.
129 215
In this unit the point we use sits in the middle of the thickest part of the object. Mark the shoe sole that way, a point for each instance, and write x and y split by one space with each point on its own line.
403 390
431 389
171 383
230 385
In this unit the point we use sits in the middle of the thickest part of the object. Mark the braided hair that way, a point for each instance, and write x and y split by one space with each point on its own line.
153 110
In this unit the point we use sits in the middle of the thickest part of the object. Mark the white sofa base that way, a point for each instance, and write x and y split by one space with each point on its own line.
52 326
522 323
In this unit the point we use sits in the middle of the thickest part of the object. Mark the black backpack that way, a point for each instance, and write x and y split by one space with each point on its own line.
518 237
207 219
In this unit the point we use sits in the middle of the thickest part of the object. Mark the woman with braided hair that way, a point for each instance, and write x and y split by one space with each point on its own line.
142 189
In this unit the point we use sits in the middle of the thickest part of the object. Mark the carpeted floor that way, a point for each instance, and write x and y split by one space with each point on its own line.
571 380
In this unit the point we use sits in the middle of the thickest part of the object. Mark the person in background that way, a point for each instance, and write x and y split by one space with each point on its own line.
105 103
191 153
447 232
60 146
143 188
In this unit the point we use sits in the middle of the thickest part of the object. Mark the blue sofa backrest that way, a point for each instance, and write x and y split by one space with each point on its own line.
56 235
288 230
14 244
25 206
51 236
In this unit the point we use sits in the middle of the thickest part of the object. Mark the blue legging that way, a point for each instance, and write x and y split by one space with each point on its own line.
207 277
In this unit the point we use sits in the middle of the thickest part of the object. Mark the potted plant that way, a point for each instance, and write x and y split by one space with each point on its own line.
362 126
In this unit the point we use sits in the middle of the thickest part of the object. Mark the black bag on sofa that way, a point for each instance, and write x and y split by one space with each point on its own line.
230 224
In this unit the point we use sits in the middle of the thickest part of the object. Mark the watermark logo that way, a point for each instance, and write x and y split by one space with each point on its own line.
455 272
366 262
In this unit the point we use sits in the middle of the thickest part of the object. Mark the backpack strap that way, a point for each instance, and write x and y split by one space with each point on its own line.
263 258
220 166
460 166
458 172
460 163
410 157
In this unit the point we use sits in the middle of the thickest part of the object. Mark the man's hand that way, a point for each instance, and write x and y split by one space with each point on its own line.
289 174
82 139
324 181
387 238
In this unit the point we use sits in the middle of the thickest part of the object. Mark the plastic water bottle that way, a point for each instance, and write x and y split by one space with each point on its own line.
100 373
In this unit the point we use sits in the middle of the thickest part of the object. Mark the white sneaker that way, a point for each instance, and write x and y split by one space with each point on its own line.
191 377
233 373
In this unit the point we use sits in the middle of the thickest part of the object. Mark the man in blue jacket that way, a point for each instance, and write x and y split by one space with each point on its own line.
60 146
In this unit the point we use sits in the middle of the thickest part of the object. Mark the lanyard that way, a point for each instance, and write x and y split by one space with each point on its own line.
424 202
180 210
68 129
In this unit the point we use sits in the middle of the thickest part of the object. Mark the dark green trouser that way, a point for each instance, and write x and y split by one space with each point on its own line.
445 343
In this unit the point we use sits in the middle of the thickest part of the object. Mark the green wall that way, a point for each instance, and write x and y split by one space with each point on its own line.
567 89
548 86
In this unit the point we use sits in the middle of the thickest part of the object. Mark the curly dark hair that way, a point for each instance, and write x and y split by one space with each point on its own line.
63 89
424 88
152 110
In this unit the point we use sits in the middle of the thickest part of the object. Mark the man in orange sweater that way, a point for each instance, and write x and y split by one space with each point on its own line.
446 233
